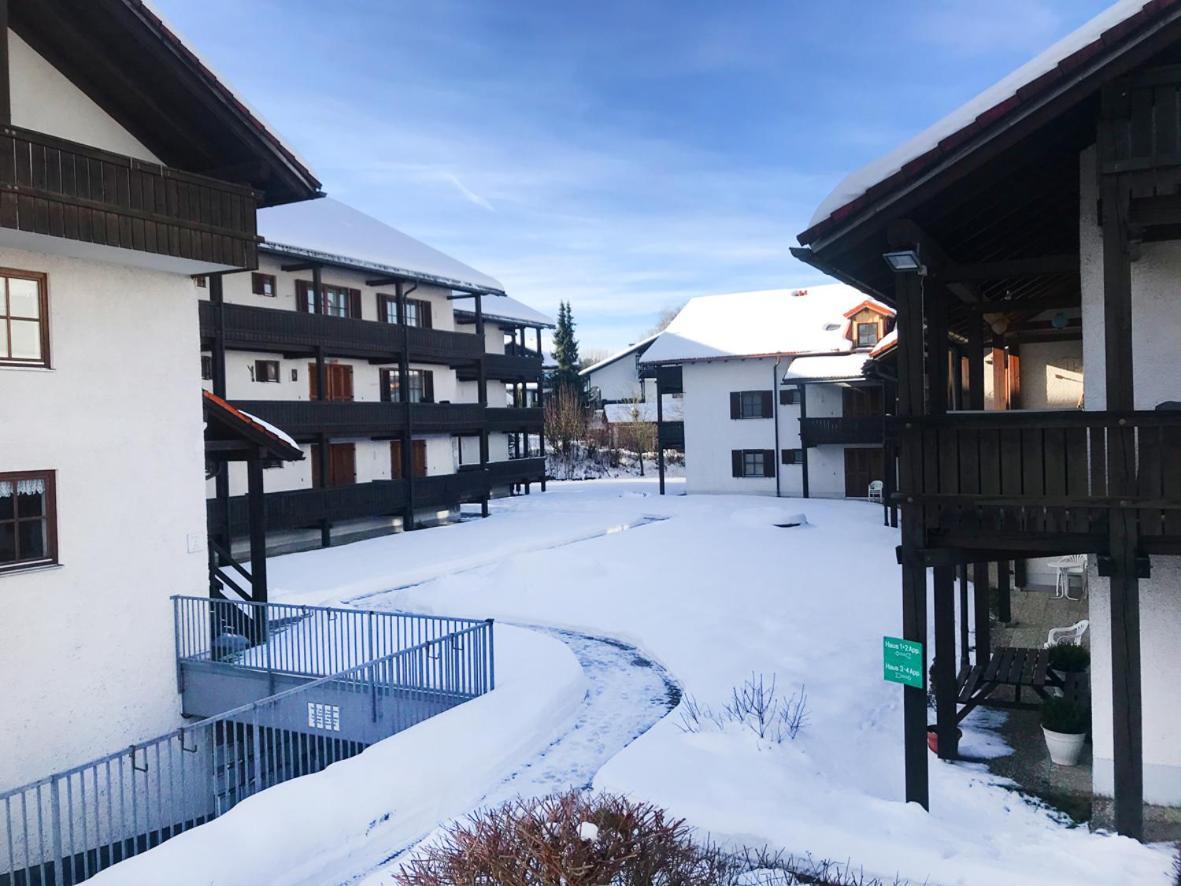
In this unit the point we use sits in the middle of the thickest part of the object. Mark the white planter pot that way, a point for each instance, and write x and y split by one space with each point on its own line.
1064 748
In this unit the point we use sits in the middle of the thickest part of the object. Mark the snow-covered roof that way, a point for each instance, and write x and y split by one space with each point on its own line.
507 309
1004 92
625 413
827 367
331 231
756 324
630 349
888 341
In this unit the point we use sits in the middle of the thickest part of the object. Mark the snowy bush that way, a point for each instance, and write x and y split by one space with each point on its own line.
581 839
755 705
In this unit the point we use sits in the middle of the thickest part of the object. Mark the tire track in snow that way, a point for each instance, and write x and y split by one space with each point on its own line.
628 694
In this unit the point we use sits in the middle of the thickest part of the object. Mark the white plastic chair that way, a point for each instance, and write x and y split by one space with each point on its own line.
1072 634
876 490
1065 567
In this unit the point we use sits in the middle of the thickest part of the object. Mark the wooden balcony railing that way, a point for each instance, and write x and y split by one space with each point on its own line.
52 186
672 435
304 419
508 367
512 418
516 470
1013 474
838 430
293 332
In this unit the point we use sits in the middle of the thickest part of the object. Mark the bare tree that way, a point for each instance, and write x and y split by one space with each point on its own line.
566 420
638 434
665 317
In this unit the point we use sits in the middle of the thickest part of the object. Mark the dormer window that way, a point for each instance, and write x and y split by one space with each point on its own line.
868 334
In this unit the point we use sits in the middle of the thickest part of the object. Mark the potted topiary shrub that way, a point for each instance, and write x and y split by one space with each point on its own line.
1065 724
1068 658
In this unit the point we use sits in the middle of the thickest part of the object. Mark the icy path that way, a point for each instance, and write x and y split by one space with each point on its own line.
628 693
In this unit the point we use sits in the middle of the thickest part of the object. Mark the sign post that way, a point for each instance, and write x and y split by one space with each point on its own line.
902 662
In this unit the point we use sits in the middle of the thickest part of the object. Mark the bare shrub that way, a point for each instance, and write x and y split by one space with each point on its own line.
755 704
591 840
572 839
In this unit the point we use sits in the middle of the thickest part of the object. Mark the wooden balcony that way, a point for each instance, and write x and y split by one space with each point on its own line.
513 418
506 367
1043 482
841 431
295 333
672 435
517 470
305 508
305 419
64 189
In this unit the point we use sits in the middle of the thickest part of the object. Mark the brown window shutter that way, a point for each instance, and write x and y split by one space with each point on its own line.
316 484
419 451
383 376
428 386
313 383
735 409
768 407
768 462
301 295
355 304
736 460
424 315
346 383
395 459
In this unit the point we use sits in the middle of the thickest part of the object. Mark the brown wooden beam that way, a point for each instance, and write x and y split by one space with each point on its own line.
943 668
1025 305
1014 267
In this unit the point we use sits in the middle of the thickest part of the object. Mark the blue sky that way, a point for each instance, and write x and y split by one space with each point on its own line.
622 155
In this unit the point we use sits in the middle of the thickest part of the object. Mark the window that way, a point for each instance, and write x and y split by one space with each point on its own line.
792 456
789 397
24 319
28 520
202 282
417 458
342 465
421 384
335 301
752 462
206 367
340 381
750 404
387 308
266 370
263 284
867 335
418 313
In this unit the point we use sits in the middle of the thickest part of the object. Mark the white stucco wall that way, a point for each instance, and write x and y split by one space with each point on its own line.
1156 286
621 380
88 662
44 100
710 433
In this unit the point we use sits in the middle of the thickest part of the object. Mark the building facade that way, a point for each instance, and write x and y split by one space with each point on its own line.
110 206
409 379
774 400
1029 243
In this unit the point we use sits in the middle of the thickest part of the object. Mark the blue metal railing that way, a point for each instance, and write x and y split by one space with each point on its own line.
65 828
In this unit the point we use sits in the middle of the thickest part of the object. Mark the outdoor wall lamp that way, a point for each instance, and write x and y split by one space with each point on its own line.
905 260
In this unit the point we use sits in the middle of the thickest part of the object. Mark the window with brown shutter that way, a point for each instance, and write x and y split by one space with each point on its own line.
396 459
792 456
262 284
418 454
342 465
339 377
788 396
387 308
28 520
334 301
751 404
752 462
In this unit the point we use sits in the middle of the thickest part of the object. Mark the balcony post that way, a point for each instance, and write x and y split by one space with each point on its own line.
660 432
541 405
908 289
408 520
1127 725
258 531
975 401
222 479
943 667
483 395
803 398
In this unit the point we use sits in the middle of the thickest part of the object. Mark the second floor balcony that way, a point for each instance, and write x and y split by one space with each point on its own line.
841 431
295 333
305 419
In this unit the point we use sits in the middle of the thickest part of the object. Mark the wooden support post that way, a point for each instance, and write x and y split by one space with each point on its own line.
541 406
1000 374
1004 593
1126 715
408 519
803 398
659 433
258 529
965 643
323 457
221 481
982 617
911 402
975 364
483 394
943 669
957 379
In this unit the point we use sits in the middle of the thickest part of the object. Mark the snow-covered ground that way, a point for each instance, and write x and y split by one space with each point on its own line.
713 590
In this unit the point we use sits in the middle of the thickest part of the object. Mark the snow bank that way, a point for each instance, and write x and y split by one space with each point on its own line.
390 795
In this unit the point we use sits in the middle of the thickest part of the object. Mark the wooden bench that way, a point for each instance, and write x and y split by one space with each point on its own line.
1014 666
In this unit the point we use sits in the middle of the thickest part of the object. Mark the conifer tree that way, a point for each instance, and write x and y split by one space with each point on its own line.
565 353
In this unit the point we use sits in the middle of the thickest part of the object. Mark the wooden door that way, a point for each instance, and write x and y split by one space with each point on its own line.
418 452
861 402
862 467
342 464
395 459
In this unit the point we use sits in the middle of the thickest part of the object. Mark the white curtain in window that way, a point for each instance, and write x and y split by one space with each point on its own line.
22 487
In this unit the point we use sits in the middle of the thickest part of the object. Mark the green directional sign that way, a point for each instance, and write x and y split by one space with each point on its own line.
902 661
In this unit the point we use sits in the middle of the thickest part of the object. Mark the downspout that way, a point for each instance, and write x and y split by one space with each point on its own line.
803 443
775 409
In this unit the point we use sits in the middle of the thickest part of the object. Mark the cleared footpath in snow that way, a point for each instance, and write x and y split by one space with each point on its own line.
715 592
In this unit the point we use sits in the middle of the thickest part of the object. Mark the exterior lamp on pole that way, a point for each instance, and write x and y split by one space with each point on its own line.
905 260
